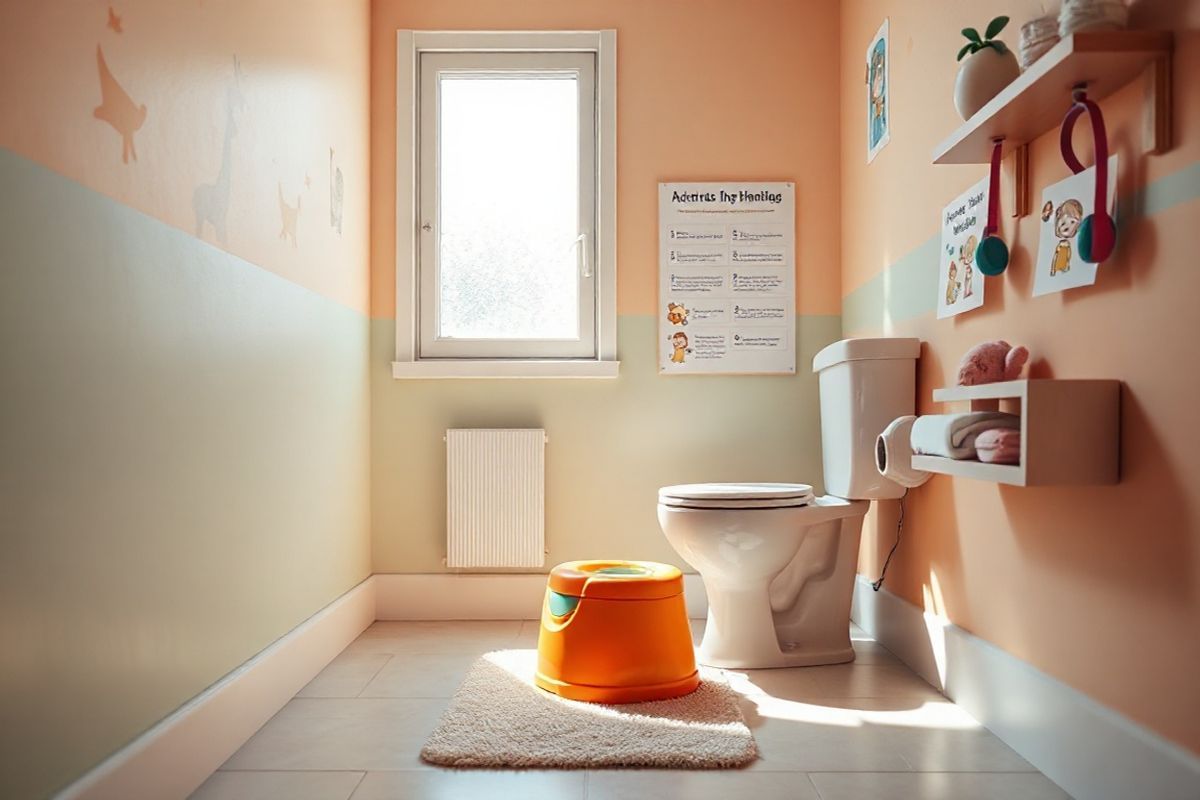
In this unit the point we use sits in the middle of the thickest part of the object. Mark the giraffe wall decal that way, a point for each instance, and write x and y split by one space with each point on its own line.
210 201
335 194
117 108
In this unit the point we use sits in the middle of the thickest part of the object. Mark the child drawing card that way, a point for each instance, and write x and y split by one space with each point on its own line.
1064 207
879 111
960 284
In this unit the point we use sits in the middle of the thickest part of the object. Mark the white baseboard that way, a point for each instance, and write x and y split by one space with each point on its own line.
175 756
1091 751
483 596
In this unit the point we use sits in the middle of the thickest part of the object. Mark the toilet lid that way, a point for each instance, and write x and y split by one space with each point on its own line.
736 495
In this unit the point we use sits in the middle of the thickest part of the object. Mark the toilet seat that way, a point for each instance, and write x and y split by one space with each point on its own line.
736 496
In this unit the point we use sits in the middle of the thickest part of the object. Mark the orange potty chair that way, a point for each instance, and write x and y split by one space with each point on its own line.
615 632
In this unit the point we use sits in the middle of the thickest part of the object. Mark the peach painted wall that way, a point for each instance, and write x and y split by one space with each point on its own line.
1099 587
706 90
299 91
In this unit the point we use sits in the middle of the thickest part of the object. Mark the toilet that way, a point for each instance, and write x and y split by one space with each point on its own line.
778 562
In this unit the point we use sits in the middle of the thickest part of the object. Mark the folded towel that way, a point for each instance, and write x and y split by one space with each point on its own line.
953 435
999 446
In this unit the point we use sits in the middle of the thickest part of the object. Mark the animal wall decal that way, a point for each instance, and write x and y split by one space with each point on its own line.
210 201
118 109
288 216
335 194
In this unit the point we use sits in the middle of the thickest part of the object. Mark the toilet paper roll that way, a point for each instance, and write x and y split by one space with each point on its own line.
893 454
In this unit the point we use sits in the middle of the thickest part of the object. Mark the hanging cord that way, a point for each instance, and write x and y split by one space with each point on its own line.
899 527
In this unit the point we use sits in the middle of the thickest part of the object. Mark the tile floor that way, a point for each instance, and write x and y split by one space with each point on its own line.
871 730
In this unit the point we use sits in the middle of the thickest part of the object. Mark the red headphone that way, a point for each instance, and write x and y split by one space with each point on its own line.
991 256
1097 233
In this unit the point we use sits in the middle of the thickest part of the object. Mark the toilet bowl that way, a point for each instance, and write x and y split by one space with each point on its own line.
779 563
778 566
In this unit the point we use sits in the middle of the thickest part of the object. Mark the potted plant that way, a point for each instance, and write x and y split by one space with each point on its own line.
988 68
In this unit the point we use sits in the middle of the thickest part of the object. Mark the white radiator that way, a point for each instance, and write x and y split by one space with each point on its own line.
495 498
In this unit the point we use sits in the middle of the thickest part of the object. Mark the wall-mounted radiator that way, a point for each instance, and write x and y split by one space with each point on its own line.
495 498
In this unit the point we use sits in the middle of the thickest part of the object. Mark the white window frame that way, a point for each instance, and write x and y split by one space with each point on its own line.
410 362
434 67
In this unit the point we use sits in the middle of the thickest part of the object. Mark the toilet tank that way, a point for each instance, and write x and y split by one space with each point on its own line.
864 385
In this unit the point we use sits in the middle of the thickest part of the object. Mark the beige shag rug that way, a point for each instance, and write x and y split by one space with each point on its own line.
499 718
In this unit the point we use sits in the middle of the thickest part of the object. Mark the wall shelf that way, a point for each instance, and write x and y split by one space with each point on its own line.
1070 432
1101 61
1036 101
997 473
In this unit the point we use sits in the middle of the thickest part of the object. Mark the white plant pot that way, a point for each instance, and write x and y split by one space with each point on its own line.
981 77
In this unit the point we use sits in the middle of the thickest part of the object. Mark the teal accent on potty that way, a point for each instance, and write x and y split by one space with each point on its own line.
562 604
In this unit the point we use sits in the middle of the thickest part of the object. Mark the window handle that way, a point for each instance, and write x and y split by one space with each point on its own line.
581 241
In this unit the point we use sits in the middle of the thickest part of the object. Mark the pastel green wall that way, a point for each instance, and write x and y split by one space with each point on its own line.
183 469
907 289
612 443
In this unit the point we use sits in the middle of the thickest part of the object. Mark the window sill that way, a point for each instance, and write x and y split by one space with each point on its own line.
499 368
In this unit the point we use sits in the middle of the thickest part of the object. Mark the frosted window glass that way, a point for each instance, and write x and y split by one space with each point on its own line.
509 180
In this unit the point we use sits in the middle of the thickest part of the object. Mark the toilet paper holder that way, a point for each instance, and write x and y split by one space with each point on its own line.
893 454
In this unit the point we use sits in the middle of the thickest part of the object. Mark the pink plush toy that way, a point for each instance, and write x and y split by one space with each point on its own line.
990 362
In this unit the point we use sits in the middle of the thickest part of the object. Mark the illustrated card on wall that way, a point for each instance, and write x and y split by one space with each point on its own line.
1064 206
960 285
726 278
879 111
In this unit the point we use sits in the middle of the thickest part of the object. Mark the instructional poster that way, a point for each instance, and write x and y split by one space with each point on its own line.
959 285
726 281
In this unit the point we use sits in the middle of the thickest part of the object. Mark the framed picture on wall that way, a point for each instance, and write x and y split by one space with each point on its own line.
879 110
959 288
1064 207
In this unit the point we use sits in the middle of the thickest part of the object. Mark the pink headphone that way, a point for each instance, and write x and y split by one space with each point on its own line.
1097 233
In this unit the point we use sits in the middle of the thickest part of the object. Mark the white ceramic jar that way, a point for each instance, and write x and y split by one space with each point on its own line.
981 77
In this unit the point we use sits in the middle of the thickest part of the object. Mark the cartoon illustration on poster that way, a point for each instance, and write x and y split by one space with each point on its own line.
960 285
1064 207
677 314
879 111
679 347
727 278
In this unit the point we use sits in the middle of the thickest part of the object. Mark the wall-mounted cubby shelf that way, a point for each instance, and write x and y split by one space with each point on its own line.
1070 432
1101 61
